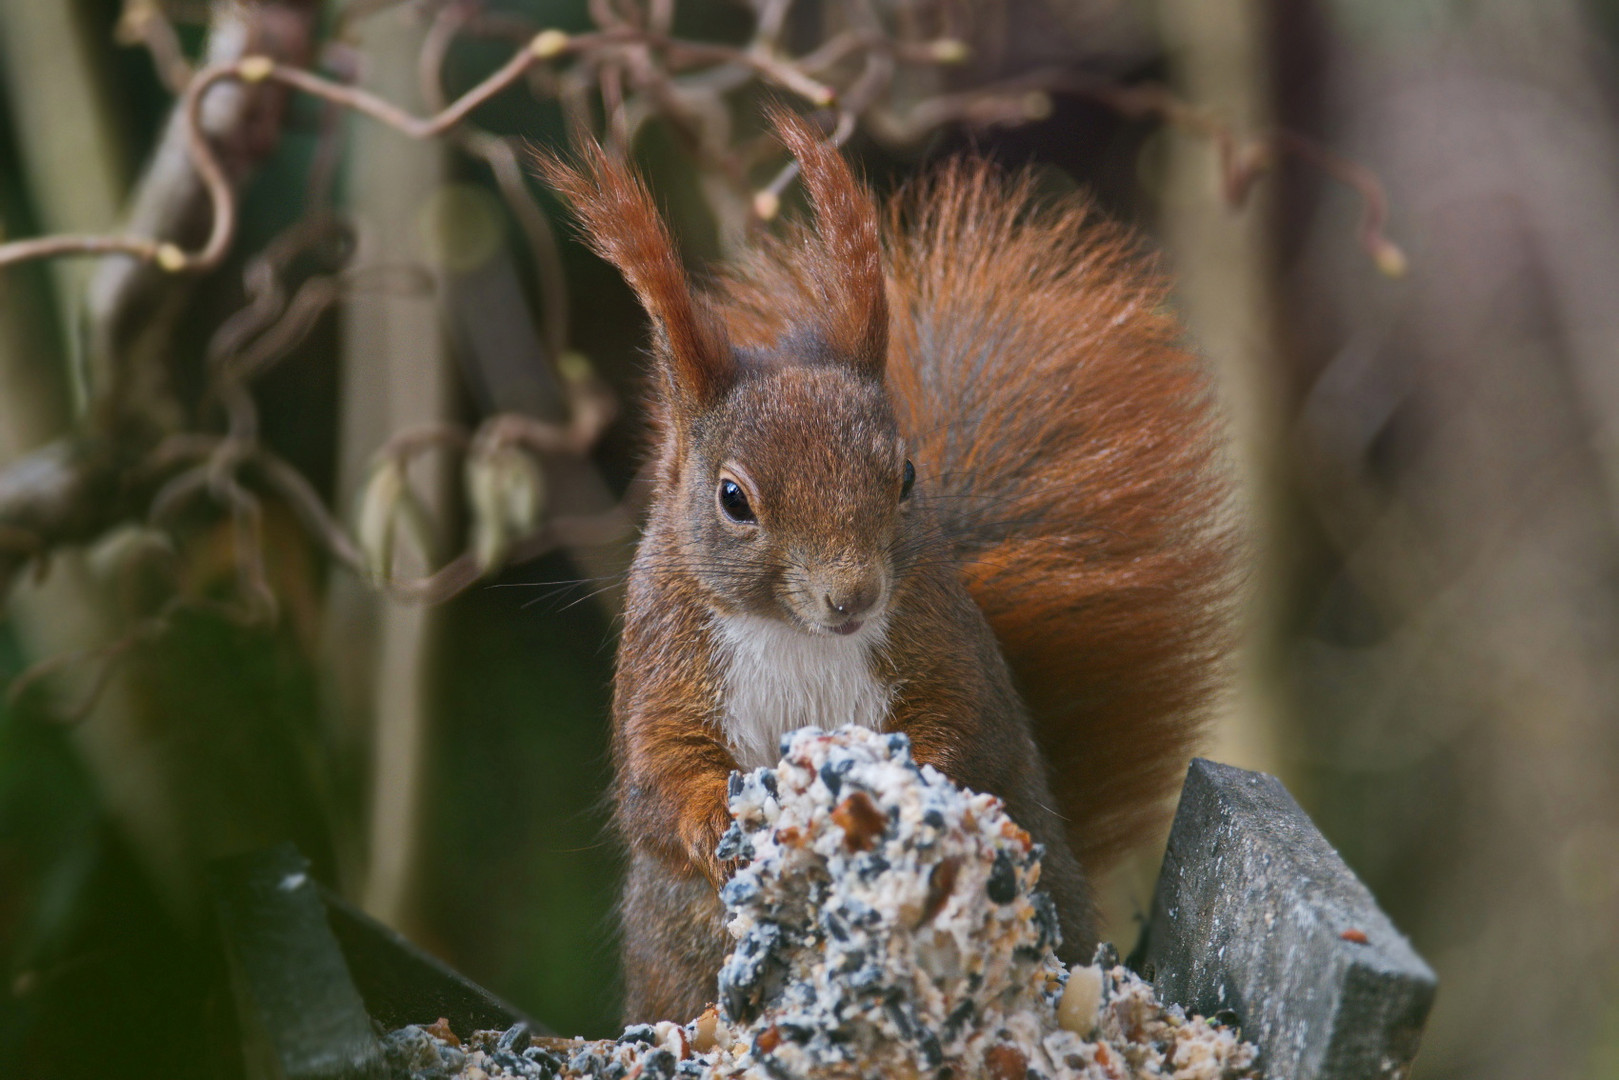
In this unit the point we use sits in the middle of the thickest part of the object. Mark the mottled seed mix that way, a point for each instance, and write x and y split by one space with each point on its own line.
887 922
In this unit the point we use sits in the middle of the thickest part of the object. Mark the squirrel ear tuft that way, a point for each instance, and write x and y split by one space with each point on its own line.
846 263
623 226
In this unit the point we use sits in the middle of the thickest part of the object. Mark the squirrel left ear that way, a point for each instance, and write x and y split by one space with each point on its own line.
624 227
846 261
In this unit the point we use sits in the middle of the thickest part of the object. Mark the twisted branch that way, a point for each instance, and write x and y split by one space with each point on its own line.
637 70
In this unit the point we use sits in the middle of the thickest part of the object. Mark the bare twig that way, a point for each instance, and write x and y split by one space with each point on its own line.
636 70
63 493
221 194
144 22
1243 161
106 657
639 42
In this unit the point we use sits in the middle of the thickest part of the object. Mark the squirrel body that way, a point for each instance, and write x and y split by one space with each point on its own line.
946 472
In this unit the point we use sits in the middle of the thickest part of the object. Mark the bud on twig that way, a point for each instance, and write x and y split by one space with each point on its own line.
1389 258
766 205
505 490
549 43
575 367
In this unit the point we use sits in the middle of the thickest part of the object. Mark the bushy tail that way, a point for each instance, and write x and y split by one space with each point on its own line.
1076 460
1074 454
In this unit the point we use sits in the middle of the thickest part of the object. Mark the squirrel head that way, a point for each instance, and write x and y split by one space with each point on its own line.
783 465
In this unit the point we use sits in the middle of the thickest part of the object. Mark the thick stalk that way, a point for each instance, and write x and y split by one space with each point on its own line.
1221 260
70 159
396 375
72 155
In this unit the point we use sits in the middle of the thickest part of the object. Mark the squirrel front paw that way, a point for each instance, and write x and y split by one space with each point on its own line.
719 871
704 846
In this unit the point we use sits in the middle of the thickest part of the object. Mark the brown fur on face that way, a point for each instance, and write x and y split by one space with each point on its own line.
817 450
1063 536
806 412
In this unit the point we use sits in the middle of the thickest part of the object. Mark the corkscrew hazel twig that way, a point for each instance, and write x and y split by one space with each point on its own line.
632 62
622 47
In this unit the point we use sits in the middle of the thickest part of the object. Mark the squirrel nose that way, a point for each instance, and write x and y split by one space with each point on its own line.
853 602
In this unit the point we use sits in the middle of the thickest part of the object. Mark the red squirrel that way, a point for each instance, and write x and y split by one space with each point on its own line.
942 469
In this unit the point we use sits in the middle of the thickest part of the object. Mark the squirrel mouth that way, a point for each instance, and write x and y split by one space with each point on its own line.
847 628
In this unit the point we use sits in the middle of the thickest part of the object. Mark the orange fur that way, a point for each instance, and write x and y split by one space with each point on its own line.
623 226
843 257
1074 451
1082 456
1053 589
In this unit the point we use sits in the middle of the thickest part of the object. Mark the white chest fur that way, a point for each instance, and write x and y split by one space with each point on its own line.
778 679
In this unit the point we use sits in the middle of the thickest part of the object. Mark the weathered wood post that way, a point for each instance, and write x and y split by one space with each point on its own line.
1255 913
310 974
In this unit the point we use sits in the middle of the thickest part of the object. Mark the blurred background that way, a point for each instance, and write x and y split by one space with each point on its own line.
310 521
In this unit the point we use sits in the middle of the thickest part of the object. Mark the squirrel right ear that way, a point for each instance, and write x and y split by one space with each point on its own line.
845 261
623 226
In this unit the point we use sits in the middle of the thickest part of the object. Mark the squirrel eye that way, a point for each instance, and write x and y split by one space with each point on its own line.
735 502
910 480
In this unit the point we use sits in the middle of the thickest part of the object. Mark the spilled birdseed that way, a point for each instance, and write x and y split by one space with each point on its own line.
887 922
